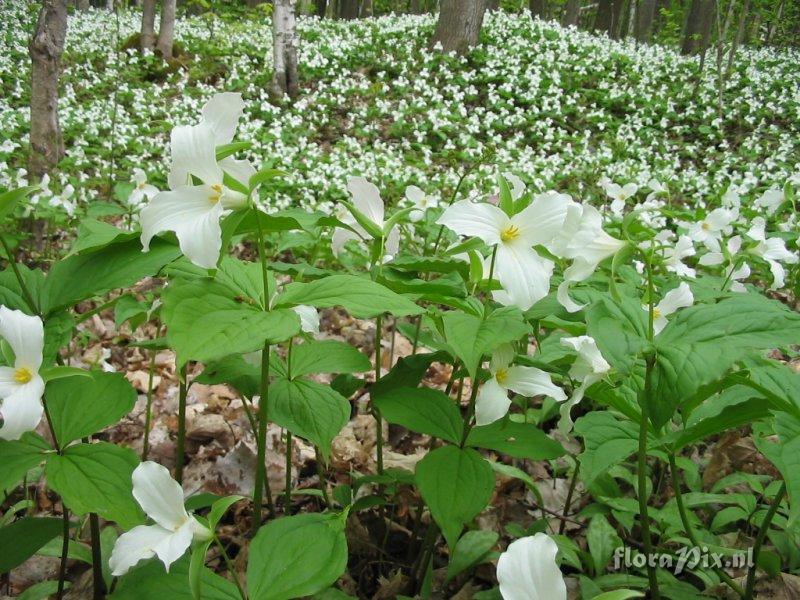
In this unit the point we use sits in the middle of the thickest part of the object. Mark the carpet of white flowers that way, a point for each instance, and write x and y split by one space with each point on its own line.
558 107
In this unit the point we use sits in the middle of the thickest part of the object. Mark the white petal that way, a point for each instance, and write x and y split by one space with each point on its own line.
159 495
240 170
8 385
309 318
415 195
193 153
340 238
530 381
527 570
491 404
565 423
778 274
680 297
221 113
542 219
659 322
22 410
367 199
139 176
711 258
564 298
589 360
172 547
189 212
137 544
524 275
502 357
392 244
479 219
25 335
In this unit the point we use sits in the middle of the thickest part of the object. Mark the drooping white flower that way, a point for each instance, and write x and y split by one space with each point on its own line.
143 190
773 250
523 274
421 201
709 259
516 184
527 570
367 200
656 189
736 275
589 368
161 497
679 297
619 194
21 386
770 200
673 257
309 318
493 402
709 231
192 211
584 241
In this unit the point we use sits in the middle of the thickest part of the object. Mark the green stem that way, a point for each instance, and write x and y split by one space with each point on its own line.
229 567
287 490
687 525
181 445
568 502
97 309
375 413
261 441
323 485
98 585
148 411
22 286
415 341
762 535
470 412
62 570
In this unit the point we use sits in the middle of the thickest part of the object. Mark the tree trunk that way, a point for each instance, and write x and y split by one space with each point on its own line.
415 7
537 8
82 4
773 24
459 25
572 11
698 25
284 49
617 7
320 7
605 16
45 49
366 8
738 37
348 9
645 14
166 29
493 4
109 5
147 37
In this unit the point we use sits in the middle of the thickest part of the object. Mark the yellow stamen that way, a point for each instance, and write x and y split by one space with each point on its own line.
509 233
22 375
656 313
501 376
705 226
217 194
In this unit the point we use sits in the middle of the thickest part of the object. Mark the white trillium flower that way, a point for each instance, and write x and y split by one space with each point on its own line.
656 189
731 198
770 200
516 184
421 201
493 402
709 230
523 274
773 250
735 276
583 240
21 386
680 297
366 199
710 259
527 570
193 212
673 257
589 368
619 194
161 497
143 190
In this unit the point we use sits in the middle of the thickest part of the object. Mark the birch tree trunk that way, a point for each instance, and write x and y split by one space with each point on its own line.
571 13
166 29
459 25
45 49
147 37
284 49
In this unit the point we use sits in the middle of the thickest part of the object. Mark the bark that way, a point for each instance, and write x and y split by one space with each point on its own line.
366 8
147 37
348 9
605 16
82 4
45 49
739 35
773 25
459 25
617 7
109 5
415 7
538 8
320 7
572 11
284 49
493 4
166 28
699 22
645 15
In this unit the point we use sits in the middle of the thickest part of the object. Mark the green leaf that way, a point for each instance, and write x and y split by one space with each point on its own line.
602 539
196 567
19 457
75 550
82 406
607 442
520 440
62 372
94 234
327 356
361 297
96 478
471 337
205 322
8 199
233 370
470 550
308 409
407 372
42 590
150 580
456 484
265 175
226 150
423 410
219 508
620 330
20 540
296 556
117 265
619 595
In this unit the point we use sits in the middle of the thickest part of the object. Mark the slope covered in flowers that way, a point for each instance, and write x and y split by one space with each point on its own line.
559 107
